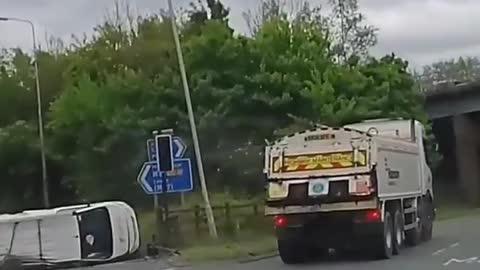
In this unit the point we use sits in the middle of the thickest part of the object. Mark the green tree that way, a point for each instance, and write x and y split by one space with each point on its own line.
105 94
352 37
462 69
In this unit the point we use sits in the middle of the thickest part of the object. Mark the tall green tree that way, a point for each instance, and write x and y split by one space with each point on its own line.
352 36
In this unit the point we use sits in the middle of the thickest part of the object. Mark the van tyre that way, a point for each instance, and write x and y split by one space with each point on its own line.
397 232
291 252
385 248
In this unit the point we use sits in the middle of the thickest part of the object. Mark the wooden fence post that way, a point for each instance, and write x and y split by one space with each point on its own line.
228 220
197 219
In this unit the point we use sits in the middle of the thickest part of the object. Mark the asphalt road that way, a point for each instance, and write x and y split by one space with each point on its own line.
456 245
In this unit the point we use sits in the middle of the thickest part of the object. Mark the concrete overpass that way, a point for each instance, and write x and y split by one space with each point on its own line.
454 109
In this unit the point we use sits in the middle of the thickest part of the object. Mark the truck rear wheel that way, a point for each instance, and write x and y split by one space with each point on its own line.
397 231
427 218
413 237
291 251
385 248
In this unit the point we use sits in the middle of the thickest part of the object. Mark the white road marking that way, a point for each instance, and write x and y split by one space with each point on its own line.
454 245
439 251
454 260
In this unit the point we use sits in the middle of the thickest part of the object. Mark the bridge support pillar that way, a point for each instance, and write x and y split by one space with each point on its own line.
467 156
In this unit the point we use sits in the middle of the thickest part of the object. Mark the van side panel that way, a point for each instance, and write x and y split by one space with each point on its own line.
60 238
6 230
26 242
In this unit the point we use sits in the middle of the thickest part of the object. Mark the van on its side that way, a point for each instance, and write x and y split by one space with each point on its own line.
90 233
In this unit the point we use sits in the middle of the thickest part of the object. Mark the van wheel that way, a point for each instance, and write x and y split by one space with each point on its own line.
291 252
397 232
385 248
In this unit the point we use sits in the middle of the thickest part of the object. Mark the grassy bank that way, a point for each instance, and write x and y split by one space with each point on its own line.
446 212
229 250
243 229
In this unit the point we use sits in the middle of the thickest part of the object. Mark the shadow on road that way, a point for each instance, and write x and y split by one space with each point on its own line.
335 256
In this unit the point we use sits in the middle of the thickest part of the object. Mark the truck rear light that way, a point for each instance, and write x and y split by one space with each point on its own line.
280 221
369 216
373 216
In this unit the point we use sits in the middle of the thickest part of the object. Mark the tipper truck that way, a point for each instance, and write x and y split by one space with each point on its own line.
362 186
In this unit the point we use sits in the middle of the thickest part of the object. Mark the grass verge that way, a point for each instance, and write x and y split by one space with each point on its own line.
230 250
446 212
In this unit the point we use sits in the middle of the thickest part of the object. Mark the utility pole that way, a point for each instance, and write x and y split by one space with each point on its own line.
46 199
208 208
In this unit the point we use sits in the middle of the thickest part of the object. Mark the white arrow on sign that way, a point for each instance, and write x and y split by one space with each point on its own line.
180 147
142 177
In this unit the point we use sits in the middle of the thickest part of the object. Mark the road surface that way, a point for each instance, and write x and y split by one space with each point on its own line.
456 245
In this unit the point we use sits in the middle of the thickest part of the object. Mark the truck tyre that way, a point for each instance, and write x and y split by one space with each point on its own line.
291 252
427 218
385 248
397 231
413 237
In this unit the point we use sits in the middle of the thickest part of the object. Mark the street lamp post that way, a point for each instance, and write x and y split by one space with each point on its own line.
46 199
196 145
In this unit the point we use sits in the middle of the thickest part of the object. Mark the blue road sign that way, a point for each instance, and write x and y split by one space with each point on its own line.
179 147
151 150
164 144
178 180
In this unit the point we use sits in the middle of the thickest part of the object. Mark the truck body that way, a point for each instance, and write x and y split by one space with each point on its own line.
365 185
65 236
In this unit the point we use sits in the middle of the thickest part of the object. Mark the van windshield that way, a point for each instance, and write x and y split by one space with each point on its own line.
95 234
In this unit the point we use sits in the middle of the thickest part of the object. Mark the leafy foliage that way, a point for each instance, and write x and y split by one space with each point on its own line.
463 69
104 96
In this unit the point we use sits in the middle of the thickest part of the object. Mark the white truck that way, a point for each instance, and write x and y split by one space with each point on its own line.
69 235
365 185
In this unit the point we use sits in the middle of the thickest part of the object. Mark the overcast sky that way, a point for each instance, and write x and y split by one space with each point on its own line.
421 31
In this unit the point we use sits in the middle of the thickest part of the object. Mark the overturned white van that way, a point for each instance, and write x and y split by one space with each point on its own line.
89 233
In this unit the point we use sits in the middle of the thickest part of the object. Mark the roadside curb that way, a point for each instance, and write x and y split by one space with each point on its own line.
258 258
177 262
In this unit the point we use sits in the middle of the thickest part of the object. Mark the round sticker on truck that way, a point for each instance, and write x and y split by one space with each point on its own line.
318 187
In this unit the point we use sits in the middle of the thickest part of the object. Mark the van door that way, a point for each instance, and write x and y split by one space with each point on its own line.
60 238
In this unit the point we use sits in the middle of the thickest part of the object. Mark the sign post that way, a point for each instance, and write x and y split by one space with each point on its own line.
152 157
165 172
